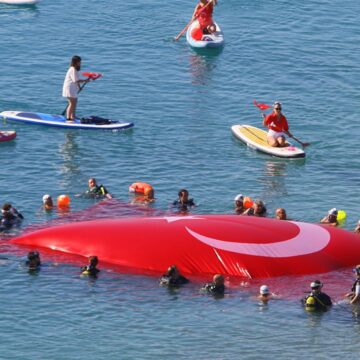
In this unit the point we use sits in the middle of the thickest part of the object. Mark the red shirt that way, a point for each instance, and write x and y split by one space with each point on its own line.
275 123
204 16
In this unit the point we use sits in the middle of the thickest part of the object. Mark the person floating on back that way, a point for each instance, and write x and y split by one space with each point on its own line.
317 300
96 190
91 269
330 218
216 287
354 294
48 203
33 261
71 86
173 278
9 217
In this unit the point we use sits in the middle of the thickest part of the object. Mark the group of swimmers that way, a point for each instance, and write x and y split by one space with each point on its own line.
315 300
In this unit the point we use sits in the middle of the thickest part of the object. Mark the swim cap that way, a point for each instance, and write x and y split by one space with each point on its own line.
316 284
239 197
46 197
333 211
277 103
264 290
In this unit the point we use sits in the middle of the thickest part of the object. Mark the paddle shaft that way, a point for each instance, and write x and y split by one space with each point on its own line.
81 87
182 32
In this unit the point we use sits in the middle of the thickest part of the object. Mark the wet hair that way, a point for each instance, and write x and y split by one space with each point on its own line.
33 255
172 270
93 260
75 60
6 207
183 191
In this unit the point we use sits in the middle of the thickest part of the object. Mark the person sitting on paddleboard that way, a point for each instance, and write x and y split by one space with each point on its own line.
203 13
96 190
278 127
71 86
330 218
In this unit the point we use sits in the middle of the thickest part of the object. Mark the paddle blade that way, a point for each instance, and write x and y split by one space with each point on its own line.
262 107
92 75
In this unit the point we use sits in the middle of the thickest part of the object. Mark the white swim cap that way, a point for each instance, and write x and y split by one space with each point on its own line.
264 290
239 197
316 284
333 211
46 197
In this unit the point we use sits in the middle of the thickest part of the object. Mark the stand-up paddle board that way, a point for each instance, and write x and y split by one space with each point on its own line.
19 2
198 40
94 123
7 135
257 139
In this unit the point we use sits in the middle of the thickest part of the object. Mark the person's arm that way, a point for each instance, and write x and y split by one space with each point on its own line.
357 294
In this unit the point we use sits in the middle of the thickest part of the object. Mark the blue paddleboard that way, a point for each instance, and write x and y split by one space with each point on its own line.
60 121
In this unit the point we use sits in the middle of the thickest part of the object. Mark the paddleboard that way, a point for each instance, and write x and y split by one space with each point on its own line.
60 121
7 135
256 139
19 2
214 40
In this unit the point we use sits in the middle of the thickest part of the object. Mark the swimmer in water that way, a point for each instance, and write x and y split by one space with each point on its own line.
239 204
173 278
183 200
317 300
280 214
354 294
33 260
91 269
217 287
10 217
357 229
48 203
258 209
264 294
330 218
96 190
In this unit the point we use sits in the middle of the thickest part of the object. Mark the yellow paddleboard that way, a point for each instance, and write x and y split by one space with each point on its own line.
256 139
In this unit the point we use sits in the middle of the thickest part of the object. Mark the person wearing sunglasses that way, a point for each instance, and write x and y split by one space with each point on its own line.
354 294
278 127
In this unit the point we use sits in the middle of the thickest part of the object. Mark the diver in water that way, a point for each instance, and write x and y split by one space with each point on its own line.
33 260
96 190
317 300
354 294
217 287
10 217
173 278
91 269
183 202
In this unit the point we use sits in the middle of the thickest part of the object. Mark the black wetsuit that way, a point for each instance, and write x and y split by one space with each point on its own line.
214 289
322 301
10 218
251 212
97 191
171 281
180 204
89 270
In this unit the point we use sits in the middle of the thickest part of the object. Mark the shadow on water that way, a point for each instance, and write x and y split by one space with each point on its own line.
70 168
202 64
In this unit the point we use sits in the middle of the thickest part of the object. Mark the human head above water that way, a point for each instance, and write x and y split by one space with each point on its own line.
183 194
172 271
264 290
356 270
218 279
6 207
93 261
316 285
280 214
76 62
92 182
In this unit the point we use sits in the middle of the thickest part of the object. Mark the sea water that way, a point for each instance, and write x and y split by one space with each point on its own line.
304 54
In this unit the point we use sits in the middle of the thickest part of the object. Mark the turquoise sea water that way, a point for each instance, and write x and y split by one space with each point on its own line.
183 104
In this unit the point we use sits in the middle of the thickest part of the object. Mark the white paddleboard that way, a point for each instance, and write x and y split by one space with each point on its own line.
257 139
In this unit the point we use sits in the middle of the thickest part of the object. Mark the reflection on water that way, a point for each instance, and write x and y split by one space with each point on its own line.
70 167
201 66
20 11
274 178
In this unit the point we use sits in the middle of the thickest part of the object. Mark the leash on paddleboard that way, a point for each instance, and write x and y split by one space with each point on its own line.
264 107
182 32
90 76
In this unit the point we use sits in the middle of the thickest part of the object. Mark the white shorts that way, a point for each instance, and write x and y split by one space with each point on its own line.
276 134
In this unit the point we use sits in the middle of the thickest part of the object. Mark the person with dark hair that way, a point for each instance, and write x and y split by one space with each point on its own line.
91 269
317 300
9 217
33 261
71 86
173 278
258 209
183 202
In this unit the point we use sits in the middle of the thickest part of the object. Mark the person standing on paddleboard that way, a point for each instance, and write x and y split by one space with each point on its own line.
278 126
71 86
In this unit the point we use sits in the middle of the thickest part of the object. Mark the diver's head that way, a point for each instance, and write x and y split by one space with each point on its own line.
316 285
173 271
218 279
93 261
33 259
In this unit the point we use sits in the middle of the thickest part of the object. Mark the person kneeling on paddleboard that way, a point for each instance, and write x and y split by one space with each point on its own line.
278 127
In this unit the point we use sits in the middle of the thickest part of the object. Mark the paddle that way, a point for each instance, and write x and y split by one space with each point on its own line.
91 76
264 107
182 32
